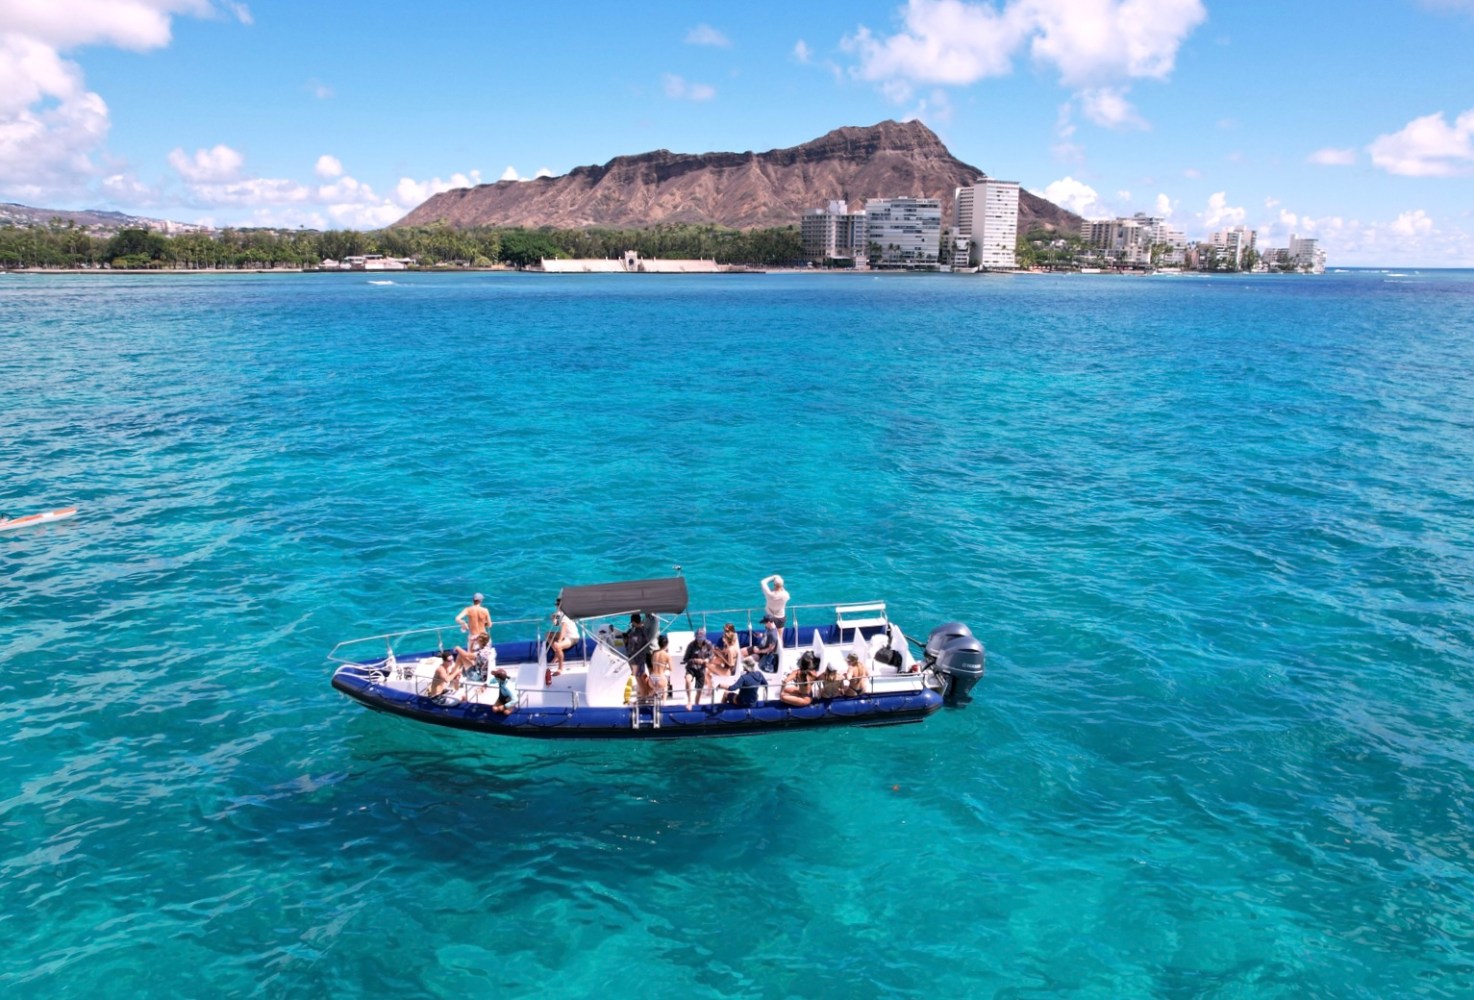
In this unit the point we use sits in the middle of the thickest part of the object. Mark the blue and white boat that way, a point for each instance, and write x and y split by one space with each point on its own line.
594 697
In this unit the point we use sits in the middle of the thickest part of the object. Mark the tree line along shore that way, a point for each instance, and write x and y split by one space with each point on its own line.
66 246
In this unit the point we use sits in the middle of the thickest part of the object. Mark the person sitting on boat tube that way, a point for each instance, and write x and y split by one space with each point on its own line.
697 659
798 687
830 684
506 692
474 620
744 693
776 599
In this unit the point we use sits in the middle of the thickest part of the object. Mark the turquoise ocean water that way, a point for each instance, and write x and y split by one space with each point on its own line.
1217 534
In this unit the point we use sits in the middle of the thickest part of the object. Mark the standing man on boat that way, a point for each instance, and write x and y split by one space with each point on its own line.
776 598
474 620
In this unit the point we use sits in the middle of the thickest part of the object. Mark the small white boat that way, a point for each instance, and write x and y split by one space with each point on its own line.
593 697
31 520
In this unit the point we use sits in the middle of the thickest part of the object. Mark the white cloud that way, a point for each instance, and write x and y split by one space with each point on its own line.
250 192
1075 196
1108 107
1164 206
802 52
328 166
1090 43
1192 173
1330 157
705 34
410 192
936 108
1220 213
1271 202
678 88
51 125
1428 147
214 165
318 89
1415 223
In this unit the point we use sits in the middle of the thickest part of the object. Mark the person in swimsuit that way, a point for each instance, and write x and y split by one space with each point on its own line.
474 620
830 684
857 676
798 687
660 668
560 640
447 676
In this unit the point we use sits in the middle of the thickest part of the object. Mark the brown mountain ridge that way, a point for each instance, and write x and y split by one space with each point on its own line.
737 190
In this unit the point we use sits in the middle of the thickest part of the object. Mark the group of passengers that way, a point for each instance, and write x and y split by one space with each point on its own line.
474 663
807 683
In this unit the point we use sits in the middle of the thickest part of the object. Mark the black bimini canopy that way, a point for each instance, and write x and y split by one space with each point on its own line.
664 597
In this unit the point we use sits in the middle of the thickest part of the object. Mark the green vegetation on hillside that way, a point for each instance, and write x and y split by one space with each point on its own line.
64 245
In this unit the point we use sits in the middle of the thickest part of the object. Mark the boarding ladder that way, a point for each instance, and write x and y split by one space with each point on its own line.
645 713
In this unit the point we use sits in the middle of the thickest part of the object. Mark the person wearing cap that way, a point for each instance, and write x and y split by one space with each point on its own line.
637 648
776 599
474 620
506 692
765 648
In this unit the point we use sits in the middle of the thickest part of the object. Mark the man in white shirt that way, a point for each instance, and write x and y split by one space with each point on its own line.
776 598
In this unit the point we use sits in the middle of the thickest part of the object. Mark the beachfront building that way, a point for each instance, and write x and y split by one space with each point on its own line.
1139 241
1307 255
985 234
1229 249
903 232
833 235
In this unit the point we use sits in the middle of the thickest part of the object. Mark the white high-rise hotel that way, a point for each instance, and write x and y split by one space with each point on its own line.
986 232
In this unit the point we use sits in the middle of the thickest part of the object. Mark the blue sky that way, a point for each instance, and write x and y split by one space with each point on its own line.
1349 121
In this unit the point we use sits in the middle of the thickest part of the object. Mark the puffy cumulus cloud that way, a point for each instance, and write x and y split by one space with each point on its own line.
1428 147
410 192
1414 223
511 174
51 125
220 163
680 89
328 167
1220 213
1076 197
1108 107
802 52
1164 206
1412 239
1090 43
936 107
1329 157
705 34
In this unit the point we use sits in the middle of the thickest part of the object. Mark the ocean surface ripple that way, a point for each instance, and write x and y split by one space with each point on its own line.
1217 534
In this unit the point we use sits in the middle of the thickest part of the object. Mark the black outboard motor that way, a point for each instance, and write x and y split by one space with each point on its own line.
956 656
